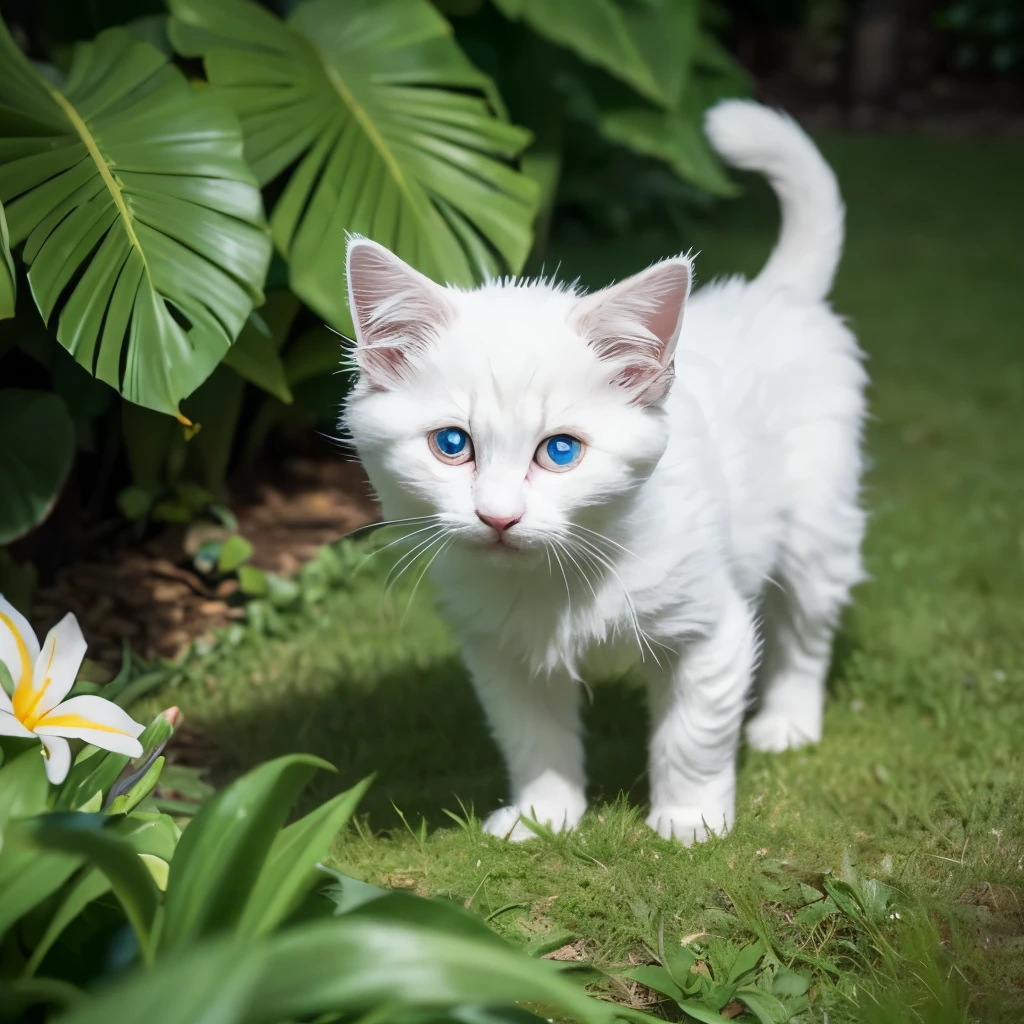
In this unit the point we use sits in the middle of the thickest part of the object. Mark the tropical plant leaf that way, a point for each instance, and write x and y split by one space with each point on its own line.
26 876
87 836
142 224
90 886
35 461
290 870
255 356
675 137
223 850
23 787
341 965
317 352
646 45
388 127
408 951
7 280
217 407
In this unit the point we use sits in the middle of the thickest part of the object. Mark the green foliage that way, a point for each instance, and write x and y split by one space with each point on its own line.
235 926
391 128
135 197
256 354
918 776
703 983
643 44
169 248
35 458
391 956
8 288
660 70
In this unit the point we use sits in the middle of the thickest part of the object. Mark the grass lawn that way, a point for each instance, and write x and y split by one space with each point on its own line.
918 783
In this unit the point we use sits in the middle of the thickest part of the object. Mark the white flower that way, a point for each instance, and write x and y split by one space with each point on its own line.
42 680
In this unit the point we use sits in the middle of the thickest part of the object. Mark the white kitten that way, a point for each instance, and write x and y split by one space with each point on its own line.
582 510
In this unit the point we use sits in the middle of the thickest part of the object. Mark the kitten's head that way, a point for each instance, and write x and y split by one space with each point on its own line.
516 413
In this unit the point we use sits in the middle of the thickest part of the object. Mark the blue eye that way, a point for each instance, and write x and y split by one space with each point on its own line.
452 444
560 452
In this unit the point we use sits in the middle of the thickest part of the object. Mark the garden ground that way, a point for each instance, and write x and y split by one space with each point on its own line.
918 781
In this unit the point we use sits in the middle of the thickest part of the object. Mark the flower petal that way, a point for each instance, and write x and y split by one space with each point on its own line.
19 647
10 726
56 758
54 674
95 720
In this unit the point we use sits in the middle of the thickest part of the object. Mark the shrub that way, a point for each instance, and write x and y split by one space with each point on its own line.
135 197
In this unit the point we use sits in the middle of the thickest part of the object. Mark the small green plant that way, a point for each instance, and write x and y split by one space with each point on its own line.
233 905
703 983
108 910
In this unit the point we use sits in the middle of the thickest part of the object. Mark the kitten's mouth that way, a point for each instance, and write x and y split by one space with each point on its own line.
503 547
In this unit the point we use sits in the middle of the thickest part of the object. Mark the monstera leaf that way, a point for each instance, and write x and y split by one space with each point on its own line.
646 44
6 271
663 71
381 127
142 224
39 444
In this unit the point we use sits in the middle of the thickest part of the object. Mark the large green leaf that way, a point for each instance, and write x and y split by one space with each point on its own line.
684 70
89 837
675 137
372 957
142 224
255 356
26 876
7 290
388 128
290 870
343 965
39 444
648 45
23 787
223 850
90 886
217 408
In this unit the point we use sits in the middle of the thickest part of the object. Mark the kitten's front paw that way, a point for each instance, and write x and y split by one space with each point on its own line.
775 731
689 825
506 822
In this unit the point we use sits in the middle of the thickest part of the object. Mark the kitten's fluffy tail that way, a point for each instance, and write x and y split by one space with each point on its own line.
755 138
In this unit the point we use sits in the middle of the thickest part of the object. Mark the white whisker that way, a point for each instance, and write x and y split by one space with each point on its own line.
565 579
643 640
446 540
409 557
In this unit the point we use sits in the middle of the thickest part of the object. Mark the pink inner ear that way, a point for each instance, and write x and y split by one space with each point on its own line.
667 314
395 310
635 324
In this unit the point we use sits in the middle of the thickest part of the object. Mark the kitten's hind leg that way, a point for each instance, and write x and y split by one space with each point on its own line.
697 707
800 616
792 677
536 725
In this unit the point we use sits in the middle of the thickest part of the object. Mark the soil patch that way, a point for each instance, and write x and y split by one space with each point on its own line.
147 593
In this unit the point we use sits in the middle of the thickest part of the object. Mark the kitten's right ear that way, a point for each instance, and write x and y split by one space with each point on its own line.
395 309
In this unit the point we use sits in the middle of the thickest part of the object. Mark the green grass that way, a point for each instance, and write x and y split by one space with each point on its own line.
918 782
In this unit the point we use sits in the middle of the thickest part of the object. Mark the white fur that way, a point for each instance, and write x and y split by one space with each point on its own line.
699 526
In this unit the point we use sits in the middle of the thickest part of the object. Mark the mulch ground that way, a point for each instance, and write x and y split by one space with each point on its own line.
150 595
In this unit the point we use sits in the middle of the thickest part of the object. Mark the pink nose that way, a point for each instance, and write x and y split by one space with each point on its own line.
499 523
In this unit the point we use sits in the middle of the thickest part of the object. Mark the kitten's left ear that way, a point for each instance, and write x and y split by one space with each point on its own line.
395 309
635 325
